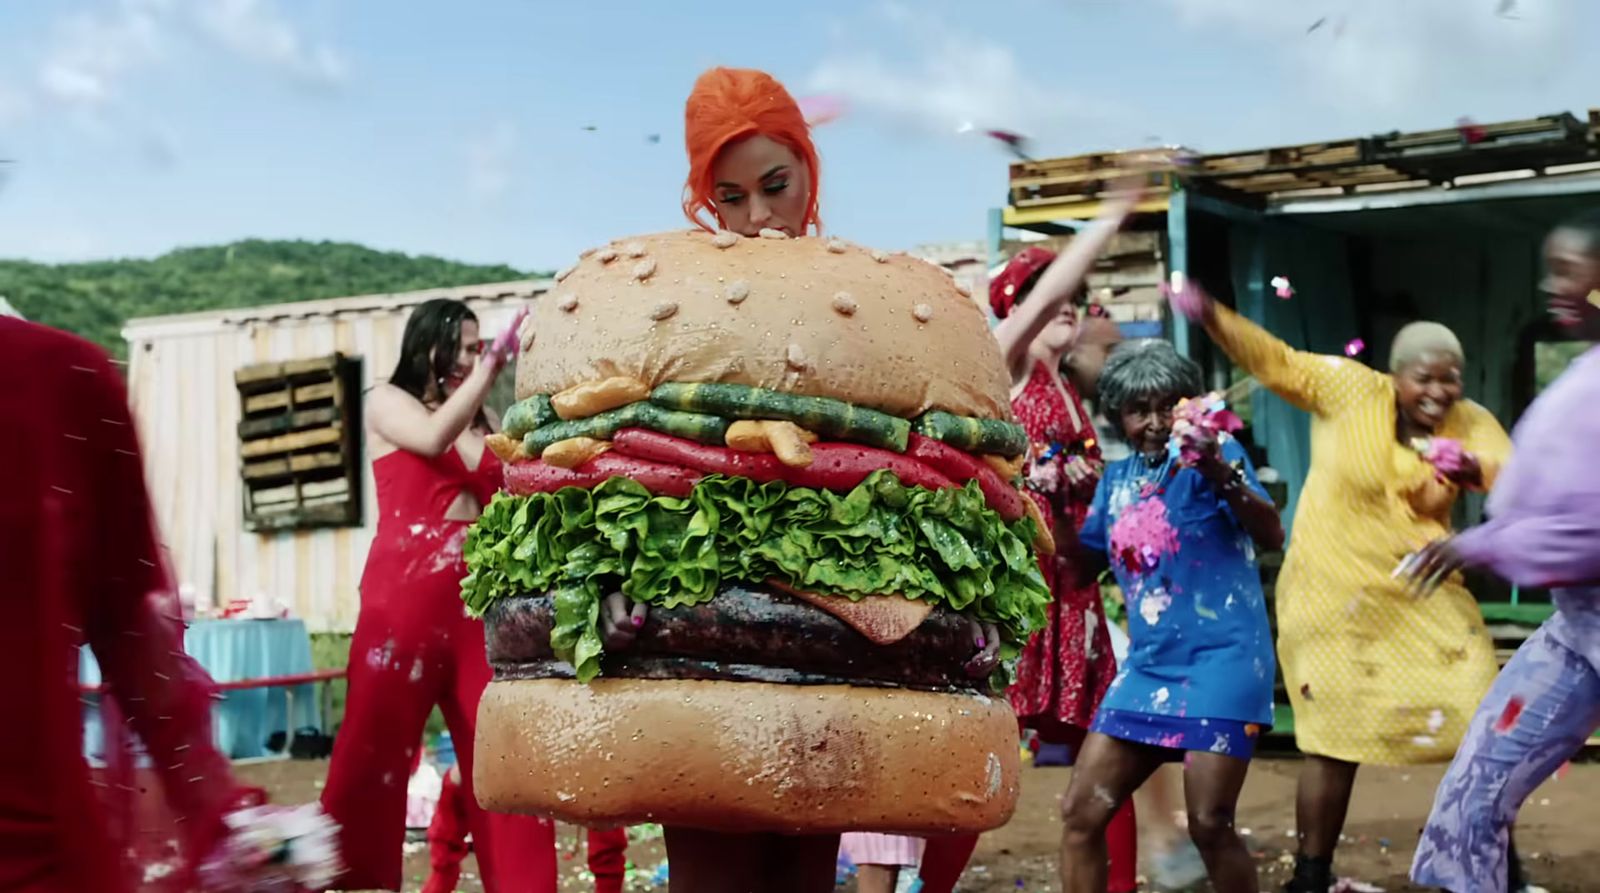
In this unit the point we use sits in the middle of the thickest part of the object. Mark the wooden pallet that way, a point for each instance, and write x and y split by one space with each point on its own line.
1085 178
1385 161
298 443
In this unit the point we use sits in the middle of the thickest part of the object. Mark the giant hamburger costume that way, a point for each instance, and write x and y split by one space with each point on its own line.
800 454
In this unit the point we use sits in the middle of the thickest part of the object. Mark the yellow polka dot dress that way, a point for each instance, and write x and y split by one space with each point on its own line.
1374 675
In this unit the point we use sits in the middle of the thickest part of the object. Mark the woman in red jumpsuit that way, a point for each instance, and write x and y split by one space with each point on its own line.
414 647
83 567
1065 668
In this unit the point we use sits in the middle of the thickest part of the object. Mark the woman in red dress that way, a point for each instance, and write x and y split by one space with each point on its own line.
414 646
83 567
1066 667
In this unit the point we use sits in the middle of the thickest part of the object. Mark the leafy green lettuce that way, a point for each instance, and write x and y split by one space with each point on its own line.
941 546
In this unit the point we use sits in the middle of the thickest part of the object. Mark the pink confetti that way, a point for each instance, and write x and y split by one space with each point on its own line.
1016 143
820 110
1281 286
1195 421
1186 300
1142 536
1444 454
1509 716
1355 347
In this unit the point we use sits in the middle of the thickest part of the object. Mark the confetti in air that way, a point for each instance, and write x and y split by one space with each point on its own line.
653 139
820 110
1015 143
1282 288
1317 25
1509 716
1355 347
1199 420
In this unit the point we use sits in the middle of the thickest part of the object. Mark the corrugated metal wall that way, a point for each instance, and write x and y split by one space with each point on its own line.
187 410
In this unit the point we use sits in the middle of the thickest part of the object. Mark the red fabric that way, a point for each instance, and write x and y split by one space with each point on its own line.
83 566
946 857
608 859
448 847
1006 289
414 647
1066 667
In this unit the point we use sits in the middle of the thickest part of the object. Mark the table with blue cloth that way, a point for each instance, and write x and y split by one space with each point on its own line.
234 651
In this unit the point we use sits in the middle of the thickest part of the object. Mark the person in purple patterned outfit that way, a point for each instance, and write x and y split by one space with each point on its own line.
1544 532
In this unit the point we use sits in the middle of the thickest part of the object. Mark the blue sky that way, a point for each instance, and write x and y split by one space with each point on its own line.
457 129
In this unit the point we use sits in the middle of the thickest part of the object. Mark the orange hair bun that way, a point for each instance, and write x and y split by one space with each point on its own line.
731 104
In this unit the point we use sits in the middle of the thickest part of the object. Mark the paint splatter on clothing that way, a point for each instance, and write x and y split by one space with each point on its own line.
1179 734
1200 648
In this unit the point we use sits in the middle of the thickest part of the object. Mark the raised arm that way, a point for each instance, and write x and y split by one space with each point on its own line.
1314 382
401 419
1060 282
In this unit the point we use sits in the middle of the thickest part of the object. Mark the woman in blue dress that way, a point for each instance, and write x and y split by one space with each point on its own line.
1180 535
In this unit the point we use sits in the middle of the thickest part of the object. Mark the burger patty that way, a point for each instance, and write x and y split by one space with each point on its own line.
745 633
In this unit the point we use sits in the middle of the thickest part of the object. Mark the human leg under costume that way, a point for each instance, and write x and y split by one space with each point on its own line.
1541 710
448 846
412 650
946 857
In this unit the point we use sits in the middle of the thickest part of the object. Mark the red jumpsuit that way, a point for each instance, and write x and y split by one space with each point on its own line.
83 566
1066 667
415 647
447 845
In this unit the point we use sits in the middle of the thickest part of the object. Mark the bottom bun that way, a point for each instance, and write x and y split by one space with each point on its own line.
747 756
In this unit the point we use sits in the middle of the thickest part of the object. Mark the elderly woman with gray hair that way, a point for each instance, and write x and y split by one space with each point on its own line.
1374 675
1179 530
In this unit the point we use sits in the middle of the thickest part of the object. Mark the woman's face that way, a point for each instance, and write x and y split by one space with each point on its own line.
760 184
1147 422
1426 389
466 355
1572 281
1061 332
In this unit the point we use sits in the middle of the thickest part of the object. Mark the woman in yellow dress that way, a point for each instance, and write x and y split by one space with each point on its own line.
1374 675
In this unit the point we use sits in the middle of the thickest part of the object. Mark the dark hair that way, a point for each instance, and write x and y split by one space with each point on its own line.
1587 224
429 347
1146 367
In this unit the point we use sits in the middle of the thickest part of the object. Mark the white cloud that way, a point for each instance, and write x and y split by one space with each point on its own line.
92 62
491 160
942 80
256 30
94 52
1389 53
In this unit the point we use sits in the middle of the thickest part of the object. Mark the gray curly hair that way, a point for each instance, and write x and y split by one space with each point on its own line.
1145 367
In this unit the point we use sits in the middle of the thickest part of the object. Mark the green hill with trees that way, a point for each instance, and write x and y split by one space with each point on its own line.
95 298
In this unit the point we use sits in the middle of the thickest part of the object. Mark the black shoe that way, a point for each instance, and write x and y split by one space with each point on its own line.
1311 875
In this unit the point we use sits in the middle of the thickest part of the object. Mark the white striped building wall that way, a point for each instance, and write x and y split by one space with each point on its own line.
187 411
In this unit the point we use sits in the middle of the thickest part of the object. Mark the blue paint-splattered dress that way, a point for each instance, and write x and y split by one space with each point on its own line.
1200 668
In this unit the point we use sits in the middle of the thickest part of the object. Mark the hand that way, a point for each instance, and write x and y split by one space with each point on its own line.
1466 473
1189 300
505 344
1210 463
986 636
620 620
1079 472
1430 566
1124 193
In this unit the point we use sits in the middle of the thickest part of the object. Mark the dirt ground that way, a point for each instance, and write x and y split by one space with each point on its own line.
1556 832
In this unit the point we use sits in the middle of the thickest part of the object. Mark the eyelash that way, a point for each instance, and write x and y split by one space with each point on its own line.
769 189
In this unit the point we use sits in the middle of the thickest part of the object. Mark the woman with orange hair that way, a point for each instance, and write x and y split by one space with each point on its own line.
752 165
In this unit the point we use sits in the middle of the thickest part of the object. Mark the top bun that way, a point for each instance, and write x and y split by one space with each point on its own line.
812 316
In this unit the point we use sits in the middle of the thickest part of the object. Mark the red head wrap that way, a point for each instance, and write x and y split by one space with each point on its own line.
731 104
1008 288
